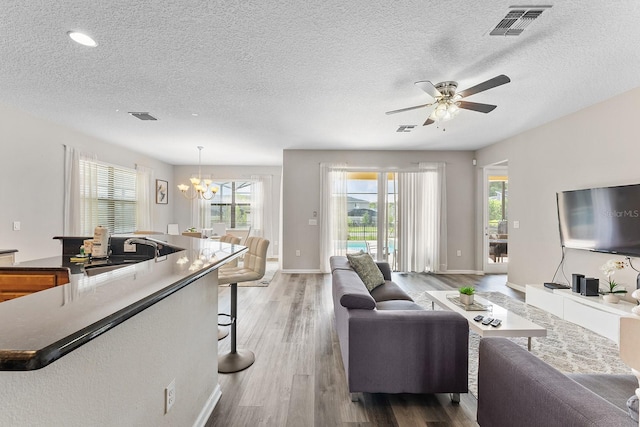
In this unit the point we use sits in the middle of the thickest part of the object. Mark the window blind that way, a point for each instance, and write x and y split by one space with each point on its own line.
108 194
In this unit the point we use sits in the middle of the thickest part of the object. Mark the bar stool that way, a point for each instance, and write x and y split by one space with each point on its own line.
234 240
253 268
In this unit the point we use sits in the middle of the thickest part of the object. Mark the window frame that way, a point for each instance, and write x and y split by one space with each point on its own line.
218 208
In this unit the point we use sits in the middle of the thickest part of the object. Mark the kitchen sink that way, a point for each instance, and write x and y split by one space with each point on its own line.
119 259
114 262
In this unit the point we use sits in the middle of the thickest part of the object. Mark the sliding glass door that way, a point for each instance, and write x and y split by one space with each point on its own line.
398 217
496 252
371 214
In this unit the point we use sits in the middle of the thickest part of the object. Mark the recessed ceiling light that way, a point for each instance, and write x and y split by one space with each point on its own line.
81 38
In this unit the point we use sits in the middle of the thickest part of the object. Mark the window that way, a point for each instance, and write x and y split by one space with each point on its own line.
108 197
232 204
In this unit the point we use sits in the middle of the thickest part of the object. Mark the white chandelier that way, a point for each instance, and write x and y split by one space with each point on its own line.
202 188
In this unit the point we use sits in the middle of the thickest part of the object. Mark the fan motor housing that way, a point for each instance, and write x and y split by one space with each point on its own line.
447 89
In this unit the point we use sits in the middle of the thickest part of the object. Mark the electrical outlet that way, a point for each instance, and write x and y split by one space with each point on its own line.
129 247
169 396
459 253
297 252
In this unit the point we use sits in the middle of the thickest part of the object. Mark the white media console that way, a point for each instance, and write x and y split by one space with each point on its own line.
589 312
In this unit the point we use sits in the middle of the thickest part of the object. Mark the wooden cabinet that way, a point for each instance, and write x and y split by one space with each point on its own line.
17 282
7 258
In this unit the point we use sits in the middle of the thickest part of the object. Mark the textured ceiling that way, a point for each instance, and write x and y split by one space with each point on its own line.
266 76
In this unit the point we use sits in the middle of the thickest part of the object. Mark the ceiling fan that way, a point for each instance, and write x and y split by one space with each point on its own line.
448 101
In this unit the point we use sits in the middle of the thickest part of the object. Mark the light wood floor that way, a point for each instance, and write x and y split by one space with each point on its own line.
298 378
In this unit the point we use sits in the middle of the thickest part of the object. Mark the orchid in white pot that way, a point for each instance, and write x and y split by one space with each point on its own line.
613 289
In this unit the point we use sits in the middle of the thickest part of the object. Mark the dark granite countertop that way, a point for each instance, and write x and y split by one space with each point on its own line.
7 251
37 329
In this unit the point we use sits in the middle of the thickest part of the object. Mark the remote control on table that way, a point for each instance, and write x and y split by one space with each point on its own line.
496 323
487 320
478 318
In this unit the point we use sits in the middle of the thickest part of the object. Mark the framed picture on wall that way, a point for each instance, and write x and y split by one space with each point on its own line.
162 192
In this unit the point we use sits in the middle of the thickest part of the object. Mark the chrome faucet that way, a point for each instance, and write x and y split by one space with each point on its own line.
140 241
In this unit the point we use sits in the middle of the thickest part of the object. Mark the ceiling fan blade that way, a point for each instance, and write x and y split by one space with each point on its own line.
489 84
407 109
474 106
428 87
428 122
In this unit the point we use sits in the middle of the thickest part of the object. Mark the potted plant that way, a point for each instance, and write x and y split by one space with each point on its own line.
612 290
466 295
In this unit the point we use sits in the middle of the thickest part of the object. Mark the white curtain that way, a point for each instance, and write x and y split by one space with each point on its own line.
71 206
88 193
422 219
333 213
80 193
144 198
262 209
200 213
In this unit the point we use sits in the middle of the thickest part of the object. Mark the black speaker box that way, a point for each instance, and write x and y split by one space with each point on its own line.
589 286
575 282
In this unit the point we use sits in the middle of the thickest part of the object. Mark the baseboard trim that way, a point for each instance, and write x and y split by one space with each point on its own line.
301 271
208 408
519 288
478 273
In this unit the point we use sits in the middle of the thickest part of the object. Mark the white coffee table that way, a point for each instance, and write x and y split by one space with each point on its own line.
512 325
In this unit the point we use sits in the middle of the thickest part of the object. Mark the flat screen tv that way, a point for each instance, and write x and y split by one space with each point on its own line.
601 219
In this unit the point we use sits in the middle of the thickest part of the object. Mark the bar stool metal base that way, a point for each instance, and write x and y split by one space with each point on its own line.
222 333
235 362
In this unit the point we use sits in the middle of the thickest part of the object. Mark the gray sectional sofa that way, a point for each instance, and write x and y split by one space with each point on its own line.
390 344
515 388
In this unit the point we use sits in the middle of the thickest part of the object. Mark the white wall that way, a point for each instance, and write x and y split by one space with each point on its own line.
118 379
32 180
183 206
301 197
595 147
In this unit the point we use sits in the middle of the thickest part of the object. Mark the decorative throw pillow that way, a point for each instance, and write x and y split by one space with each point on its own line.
632 404
367 270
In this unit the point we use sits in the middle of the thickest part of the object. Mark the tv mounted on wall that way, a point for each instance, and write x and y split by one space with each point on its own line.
601 219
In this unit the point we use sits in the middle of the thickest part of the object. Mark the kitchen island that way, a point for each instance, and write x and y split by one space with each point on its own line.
101 349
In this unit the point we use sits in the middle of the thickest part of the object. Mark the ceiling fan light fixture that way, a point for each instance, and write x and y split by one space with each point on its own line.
441 111
446 110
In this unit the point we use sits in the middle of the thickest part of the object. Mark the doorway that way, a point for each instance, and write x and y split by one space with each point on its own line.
496 219
371 214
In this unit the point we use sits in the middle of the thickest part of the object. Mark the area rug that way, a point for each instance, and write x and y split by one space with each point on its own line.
567 347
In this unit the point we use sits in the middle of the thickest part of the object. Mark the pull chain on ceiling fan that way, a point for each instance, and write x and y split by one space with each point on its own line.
448 101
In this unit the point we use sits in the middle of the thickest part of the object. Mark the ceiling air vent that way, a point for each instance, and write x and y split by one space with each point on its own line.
142 116
405 128
517 19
